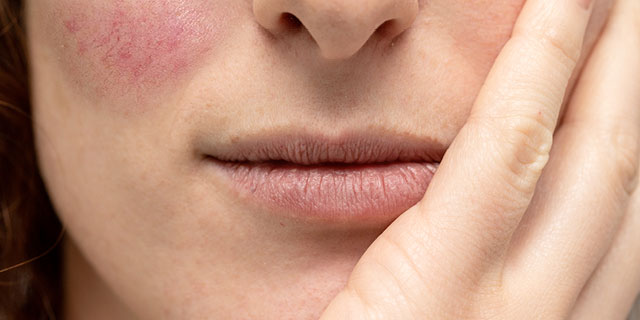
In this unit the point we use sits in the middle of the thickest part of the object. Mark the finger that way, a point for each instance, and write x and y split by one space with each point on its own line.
614 286
583 193
487 177
612 290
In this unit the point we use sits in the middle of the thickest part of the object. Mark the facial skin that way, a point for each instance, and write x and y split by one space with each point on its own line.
128 93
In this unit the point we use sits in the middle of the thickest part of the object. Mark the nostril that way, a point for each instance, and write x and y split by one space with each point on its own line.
387 28
290 22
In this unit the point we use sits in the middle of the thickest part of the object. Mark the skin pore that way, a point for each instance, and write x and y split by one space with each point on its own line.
128 93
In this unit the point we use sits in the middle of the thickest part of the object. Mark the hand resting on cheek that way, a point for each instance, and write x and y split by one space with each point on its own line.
511 228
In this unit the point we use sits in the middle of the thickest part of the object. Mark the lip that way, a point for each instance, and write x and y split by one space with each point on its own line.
353 178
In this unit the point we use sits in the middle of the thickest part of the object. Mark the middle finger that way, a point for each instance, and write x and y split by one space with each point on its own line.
582 195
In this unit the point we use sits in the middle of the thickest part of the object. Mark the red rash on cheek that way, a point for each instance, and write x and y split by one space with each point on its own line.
122 44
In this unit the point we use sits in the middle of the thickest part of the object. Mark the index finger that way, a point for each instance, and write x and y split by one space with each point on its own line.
487 178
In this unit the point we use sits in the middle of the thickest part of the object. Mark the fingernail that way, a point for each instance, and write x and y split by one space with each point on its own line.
585 4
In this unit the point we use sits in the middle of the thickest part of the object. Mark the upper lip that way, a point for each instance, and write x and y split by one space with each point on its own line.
314 149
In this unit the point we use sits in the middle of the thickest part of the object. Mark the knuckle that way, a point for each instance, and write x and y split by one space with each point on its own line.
521 143
356 303
560 45
395 270
617 150
626 156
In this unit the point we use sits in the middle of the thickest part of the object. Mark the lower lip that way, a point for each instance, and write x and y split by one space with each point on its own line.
373 192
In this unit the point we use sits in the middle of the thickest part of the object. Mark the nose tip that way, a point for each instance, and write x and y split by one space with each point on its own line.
339 27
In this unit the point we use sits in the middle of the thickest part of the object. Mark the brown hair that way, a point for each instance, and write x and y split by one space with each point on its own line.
29 288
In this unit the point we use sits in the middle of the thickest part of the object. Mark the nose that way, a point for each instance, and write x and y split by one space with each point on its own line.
339 27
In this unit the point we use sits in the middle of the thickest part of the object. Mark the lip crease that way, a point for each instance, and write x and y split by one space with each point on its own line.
355 178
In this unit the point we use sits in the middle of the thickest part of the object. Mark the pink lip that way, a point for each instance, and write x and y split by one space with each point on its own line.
355 179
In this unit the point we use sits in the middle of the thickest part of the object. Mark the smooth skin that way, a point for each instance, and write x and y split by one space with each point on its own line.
510 236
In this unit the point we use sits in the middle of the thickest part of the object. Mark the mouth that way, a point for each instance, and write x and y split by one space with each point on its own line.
352 178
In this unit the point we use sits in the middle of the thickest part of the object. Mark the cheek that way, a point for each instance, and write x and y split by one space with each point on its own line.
480 29
120 46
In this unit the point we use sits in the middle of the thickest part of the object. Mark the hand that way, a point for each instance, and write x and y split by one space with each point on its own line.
498 237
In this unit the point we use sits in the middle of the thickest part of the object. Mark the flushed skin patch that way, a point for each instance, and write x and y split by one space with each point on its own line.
131 46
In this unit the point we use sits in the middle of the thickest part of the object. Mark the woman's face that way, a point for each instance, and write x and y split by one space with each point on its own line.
131 96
